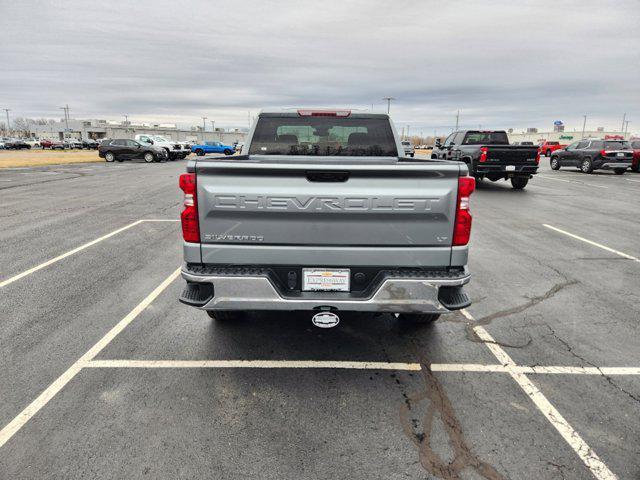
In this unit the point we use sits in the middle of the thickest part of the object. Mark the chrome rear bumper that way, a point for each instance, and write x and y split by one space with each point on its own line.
394 294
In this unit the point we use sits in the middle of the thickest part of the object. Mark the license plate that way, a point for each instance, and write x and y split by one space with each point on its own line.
620 154
320 279
510 168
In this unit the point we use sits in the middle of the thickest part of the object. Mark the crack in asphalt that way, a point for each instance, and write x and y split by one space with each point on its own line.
608 378
440 404
533 301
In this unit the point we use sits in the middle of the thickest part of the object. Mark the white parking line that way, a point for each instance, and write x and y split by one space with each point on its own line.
331 364
572 181
632 180
34 407
308 364
596 466
591 242
10 280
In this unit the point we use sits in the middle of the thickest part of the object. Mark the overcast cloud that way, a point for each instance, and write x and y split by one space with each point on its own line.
503 64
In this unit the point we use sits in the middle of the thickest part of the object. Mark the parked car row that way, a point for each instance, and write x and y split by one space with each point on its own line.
9 143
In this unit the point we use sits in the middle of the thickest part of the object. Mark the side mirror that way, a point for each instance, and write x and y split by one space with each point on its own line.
150 142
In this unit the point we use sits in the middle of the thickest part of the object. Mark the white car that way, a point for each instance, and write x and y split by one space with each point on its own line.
409 151
32 142
175 150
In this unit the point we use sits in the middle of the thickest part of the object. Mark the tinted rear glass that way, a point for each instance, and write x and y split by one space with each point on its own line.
616 145
486 138
635 144
323 136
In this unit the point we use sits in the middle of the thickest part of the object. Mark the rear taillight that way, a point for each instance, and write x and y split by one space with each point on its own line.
603 153
189 216
538 157
462 227
483 155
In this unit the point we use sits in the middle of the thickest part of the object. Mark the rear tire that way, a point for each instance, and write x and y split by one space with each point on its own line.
555 163
586 166
199 152
418 318
223 315
228 152
518 183
109 157
149 157
619 171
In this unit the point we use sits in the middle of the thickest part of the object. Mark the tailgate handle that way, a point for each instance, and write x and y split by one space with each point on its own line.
327 176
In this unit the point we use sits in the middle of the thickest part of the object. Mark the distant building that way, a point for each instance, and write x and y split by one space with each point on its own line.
561 136
98 129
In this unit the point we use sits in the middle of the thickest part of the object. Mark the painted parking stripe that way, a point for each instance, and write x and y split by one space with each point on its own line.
319 364
10 280
52 390
591 242
596 466
273 364
572 181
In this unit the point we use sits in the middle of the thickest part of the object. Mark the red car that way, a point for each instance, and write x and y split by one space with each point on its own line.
546 148
52 144
635 144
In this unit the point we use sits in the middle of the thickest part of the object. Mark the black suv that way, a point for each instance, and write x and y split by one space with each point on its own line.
591 154
125 149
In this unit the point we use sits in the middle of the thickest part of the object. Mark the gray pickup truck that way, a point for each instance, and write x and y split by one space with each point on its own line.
323 213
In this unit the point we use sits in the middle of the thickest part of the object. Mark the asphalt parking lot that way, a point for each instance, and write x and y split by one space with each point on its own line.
106 375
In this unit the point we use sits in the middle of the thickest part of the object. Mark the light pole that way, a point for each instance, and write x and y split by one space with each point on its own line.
626 127
7 110
126 119
66 120
584 124
204 127
388 99
457 119
624 118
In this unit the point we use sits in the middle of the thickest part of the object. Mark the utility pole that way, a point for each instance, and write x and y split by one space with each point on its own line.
584 124
204 127
388 99
624 118
457 120
408 128
626 127
126 119
66 120
7 110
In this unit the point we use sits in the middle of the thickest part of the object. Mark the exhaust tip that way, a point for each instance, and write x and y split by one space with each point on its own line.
325 320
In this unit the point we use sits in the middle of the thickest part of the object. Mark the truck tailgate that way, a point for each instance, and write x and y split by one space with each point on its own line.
511 154
377 206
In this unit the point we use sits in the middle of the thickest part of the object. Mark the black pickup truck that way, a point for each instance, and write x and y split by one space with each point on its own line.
489 155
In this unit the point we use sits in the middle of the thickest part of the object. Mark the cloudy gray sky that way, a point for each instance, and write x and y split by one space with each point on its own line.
502 63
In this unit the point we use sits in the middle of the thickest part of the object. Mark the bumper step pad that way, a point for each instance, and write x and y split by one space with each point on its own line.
454 298
196 294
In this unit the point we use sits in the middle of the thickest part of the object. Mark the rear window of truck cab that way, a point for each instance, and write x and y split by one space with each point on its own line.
323 136
486 138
